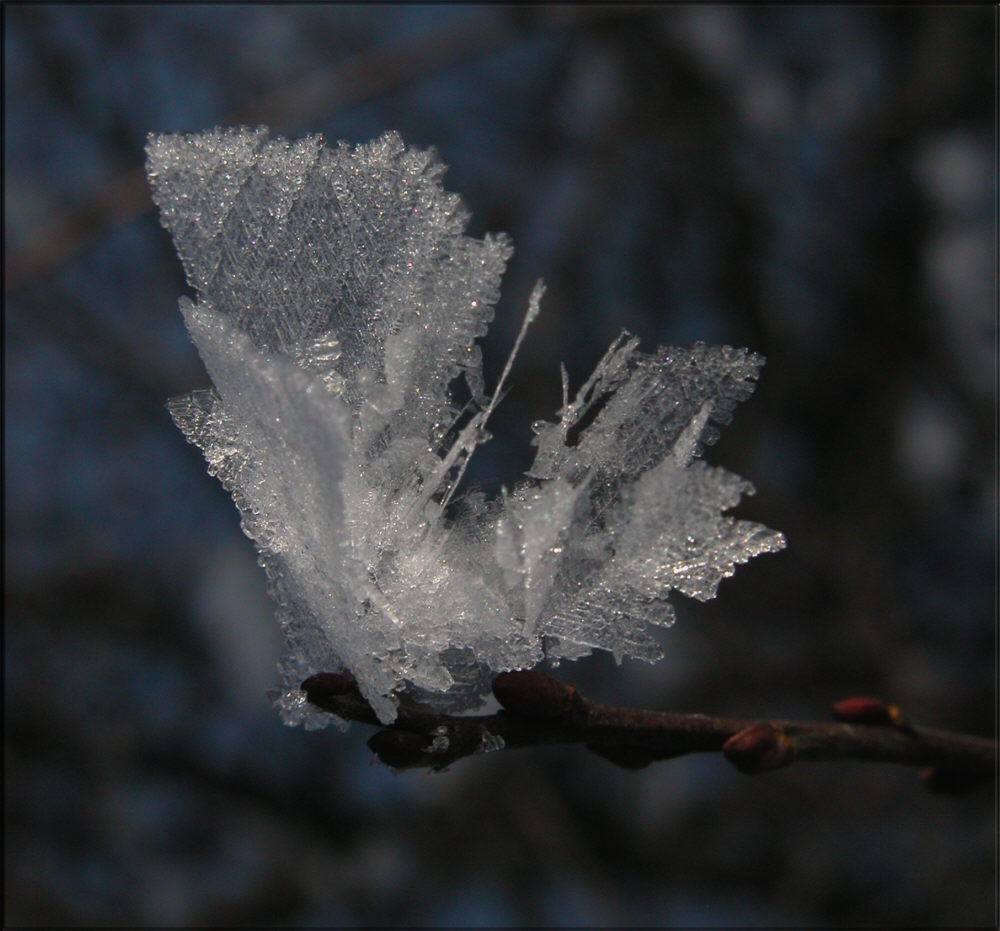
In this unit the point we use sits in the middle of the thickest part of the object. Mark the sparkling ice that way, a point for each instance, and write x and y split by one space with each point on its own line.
338 301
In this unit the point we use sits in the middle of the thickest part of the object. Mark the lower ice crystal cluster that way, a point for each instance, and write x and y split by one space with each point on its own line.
338 302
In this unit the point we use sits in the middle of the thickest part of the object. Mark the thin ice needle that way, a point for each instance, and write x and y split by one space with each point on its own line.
534 303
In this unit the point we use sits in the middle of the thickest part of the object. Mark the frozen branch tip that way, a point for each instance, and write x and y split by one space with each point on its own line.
339 302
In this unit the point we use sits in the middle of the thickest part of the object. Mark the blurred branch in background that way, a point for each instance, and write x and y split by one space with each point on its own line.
349 81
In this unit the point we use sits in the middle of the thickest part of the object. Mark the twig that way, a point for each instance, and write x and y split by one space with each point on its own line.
539 710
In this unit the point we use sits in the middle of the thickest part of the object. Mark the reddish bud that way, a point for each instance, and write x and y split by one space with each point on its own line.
759 748
534 694
862 709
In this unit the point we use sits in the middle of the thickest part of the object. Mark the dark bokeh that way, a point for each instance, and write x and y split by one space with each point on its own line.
813 182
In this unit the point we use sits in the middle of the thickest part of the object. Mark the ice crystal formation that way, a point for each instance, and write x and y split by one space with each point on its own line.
339 302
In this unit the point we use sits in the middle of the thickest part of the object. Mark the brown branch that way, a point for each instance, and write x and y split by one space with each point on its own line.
539 710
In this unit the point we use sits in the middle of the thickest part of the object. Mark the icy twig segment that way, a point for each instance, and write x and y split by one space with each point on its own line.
338 302
539 710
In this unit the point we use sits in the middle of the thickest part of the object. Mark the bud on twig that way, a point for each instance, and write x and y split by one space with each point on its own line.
534 694
759 748
862 709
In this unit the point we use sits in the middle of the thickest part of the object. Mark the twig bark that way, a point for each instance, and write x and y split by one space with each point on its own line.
539 710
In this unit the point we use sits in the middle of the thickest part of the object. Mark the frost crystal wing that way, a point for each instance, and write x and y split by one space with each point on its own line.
352 252
654 519
338 299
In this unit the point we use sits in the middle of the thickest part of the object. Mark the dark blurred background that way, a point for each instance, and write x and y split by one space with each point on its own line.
816 183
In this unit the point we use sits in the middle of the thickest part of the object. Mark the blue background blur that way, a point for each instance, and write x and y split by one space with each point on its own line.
816 183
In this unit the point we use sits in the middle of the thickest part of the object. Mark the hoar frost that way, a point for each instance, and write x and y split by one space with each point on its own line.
338 301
